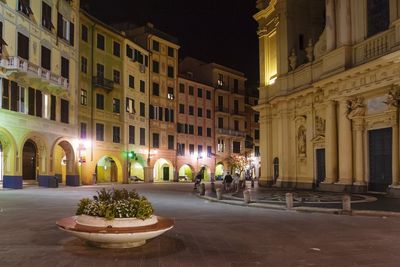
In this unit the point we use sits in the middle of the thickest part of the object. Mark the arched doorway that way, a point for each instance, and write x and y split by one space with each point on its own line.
185 173
219 172
163 171
276 169
107 170
137 171
206 173
29 161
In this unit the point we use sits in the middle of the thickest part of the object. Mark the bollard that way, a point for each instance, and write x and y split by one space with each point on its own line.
346 203
202 189
246 196
289 200
219 193
213 187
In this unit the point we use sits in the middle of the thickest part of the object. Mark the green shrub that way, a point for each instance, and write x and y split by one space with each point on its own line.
116 203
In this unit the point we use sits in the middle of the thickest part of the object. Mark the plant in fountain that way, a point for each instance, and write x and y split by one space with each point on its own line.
116 203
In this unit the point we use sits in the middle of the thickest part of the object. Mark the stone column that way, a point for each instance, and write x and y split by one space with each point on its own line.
331 157
330 25
359 153
343 23
265 178
345 145
395 155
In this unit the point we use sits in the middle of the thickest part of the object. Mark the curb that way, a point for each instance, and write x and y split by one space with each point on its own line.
371 213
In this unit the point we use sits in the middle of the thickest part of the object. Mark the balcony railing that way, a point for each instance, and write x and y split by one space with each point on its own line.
19 64
103 83
375 46
231 132
238 112
222 109
238 91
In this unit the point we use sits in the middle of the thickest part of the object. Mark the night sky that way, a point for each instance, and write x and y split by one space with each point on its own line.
221 31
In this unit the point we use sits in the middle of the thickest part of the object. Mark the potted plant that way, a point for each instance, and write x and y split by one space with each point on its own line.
115 208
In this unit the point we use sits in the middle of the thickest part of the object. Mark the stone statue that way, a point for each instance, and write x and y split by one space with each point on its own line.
293 59
301 141
355 107
319 126
309 50
393 99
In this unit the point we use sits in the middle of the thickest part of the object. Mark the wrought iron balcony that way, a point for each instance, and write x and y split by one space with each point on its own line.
231 132
21 65
238 91
222 109
102 82
238 113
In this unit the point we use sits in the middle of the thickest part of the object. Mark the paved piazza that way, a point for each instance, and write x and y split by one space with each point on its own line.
205 234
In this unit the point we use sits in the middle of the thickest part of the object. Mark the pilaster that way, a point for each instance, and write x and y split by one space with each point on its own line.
331 143
345 145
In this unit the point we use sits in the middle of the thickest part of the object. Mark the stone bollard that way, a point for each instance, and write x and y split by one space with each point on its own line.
219 193
213 187
202 189
246 196
289 200
346 203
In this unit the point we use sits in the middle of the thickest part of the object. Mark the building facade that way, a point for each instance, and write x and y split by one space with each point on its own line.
252 141
329 94
38 84
195 129
229 108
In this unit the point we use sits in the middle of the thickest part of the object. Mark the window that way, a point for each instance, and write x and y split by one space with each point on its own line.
236 106
236 147
236 125
199 112
64 111
156 66
221 145
235 85
64 67
208 114
100 41
83 130
142 109
156 140
38 102
256 151
191 110
24 7
220 81
46 58
131 134
156 46
180 149
65 29
170 93
83 64
378 18
5 94
209 151
181 88
142 136
191 149
116 134
131 81
116 105
130 105
53 107
99 132
199 131
200 151
208 132
220 103
2 42
171 142
116 75
208 95
142 86
83 97
257 134
116 49
166 114
191 90
220 123
191 129
256 117
84 33
46 16
156 89
100 101
170 72
100 70
199 92
171 52
182 108
23 46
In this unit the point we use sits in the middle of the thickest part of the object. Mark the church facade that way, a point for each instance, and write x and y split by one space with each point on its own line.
329 94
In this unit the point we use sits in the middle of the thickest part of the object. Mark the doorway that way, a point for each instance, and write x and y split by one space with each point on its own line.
1 163
320 155
380 159
29 161
166 173
276 169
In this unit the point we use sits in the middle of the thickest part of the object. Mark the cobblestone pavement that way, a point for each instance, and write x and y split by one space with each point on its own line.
205 233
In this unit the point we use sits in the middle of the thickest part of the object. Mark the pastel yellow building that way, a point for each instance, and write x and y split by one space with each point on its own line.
38 84
329 94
